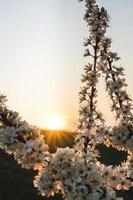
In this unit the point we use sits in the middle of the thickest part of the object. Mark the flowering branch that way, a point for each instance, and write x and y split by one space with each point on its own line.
93 133
75 172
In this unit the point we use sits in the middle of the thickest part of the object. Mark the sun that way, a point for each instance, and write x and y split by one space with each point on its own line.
55 123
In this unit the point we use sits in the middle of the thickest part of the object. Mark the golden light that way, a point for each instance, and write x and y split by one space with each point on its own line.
55 123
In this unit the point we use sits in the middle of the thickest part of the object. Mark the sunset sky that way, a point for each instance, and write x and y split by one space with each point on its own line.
41 55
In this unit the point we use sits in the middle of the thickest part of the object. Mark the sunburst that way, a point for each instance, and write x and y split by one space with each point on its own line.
55 123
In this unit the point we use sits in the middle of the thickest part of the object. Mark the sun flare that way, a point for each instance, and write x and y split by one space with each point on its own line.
56 123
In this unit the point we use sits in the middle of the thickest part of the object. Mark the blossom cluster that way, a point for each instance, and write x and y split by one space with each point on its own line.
21 139
67 173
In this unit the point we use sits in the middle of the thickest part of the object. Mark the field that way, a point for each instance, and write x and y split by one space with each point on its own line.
16 183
